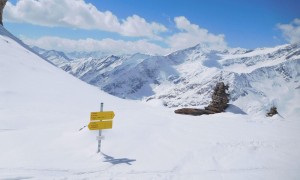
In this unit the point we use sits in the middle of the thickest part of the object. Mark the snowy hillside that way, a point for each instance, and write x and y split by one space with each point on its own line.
42 110
187 77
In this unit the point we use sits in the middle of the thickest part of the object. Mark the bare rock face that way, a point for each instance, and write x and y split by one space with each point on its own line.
219 99
218 104
2 4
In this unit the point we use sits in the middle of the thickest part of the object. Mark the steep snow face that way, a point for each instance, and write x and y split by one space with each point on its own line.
187 77
30 84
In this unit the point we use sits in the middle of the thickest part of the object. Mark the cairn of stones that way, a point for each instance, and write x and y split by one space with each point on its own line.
218 104
219 99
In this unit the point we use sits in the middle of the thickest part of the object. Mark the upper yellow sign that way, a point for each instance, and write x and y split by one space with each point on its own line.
102 115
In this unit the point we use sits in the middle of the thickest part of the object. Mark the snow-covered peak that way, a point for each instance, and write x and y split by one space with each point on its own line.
199 49
56 57
38 49
187 77
86 55
236 51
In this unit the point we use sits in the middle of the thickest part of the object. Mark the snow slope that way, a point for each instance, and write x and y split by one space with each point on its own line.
42 110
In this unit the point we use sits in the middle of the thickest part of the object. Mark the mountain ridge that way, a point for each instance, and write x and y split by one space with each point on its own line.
187 77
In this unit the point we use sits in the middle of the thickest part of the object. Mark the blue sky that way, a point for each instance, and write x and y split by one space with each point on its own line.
156 26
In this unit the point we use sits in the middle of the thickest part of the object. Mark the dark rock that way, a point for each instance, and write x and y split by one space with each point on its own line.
219 98
2 4
218 104
192 111
272 112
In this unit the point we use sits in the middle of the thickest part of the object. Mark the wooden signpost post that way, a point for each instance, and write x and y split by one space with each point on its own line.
101 120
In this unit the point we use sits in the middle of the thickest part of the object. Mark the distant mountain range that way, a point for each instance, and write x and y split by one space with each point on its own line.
59 57
187 77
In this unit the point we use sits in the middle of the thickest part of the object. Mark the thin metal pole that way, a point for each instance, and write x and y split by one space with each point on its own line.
99 140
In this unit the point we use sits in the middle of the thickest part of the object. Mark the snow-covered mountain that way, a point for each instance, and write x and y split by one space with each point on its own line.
85 55
187 77
44 111
53 56
59 58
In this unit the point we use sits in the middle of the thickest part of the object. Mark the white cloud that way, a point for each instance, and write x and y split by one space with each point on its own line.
108 46
291 31
139 27
79 14
192 34
189 36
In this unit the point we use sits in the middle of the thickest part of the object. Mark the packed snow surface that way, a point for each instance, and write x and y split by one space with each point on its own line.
44 111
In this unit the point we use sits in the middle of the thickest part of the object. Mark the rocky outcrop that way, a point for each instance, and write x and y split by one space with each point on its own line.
2 4
218 104
219 99
272 112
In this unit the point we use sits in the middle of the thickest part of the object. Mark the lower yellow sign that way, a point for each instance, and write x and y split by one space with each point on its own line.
97 125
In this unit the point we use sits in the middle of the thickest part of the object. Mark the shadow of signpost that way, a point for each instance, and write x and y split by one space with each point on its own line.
115 161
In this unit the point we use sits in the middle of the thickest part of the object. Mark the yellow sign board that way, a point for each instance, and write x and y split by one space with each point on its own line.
98 125
102 115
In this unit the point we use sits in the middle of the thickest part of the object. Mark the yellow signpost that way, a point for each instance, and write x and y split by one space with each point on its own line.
101 120
102 115
97 125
